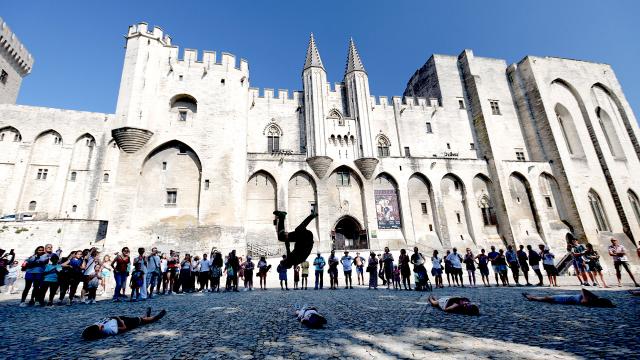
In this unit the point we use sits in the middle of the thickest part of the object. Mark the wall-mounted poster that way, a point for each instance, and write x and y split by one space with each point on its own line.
387 209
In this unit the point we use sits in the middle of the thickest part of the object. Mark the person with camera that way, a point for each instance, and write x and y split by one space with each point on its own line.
154 272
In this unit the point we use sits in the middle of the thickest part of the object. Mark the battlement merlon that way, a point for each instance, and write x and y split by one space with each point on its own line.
189 56
10 43
259 95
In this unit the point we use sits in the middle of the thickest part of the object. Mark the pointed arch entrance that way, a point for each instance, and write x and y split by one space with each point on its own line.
348 234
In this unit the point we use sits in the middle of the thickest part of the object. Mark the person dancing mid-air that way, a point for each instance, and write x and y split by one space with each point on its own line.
302 238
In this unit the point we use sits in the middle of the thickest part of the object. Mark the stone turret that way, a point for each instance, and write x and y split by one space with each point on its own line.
314 79
356 84
15 64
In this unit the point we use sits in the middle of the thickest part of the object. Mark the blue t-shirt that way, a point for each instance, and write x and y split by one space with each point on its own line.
76 264
51 272
39 263
511 256
319 263
493 255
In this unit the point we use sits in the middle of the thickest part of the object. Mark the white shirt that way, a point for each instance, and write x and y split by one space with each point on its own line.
547 259
346 261
436 262
13 272
153 262
618 249
205 265
109 326
455 260
163 265
91 266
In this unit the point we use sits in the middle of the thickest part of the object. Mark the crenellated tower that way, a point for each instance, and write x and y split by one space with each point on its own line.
356 83
315 88
138 85
15 63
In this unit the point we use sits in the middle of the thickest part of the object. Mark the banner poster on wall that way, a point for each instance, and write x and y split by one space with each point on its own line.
387 209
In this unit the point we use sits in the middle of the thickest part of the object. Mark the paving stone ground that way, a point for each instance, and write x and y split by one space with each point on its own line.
362 324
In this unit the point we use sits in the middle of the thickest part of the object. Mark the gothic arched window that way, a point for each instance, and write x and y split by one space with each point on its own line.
635 204
598 211
273 138
383 146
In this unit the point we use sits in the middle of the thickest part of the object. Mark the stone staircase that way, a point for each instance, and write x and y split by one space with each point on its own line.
254 250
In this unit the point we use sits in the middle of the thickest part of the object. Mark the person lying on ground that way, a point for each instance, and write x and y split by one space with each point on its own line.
119 324
634 292
309 316
584 298
455 305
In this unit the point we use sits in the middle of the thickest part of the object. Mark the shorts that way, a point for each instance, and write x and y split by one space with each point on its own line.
347 273
535 267
484 271
436 271
524 267
305 275
456 271
10 281
550 270
360 269
131 322
595 266
578 265
618 264
500 268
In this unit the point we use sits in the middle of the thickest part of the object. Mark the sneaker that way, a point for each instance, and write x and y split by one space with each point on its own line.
23 304
160 315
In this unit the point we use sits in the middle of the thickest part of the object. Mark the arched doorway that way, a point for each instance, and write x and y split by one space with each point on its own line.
347 234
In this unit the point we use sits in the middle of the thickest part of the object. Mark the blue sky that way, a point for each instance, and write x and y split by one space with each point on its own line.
78 46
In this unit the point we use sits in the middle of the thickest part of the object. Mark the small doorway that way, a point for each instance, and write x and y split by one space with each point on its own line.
349 235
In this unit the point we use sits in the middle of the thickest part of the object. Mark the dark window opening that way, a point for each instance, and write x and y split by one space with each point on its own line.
172 197
343 178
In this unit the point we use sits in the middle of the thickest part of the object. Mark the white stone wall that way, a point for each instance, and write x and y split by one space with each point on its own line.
228 183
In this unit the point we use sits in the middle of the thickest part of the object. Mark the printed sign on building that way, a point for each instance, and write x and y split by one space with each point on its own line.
387 209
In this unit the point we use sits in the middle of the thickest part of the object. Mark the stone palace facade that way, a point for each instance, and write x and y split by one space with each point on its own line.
475 153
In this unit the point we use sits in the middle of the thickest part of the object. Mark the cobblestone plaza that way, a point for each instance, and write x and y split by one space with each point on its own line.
362 324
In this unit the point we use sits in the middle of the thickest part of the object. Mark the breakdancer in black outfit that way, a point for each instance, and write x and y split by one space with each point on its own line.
302 238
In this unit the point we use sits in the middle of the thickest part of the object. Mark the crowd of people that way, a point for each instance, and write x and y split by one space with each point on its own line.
85 274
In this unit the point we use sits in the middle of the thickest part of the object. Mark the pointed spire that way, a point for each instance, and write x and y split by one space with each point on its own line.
353 60
313 56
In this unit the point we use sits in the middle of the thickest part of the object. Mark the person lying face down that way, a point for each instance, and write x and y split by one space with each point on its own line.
309 316
118 325
584 298
455 305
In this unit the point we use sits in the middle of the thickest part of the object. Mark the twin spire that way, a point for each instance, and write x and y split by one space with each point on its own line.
354 63
313 56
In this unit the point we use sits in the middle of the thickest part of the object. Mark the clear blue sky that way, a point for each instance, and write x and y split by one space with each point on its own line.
78 46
